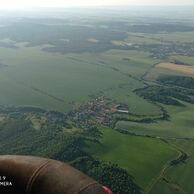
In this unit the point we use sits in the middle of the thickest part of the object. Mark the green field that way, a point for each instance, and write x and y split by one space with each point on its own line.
72 78
172 37
180 175
142 157
180 124
161 187
183 173
63 77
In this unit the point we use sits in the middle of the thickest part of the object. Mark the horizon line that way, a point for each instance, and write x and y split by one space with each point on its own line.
95 6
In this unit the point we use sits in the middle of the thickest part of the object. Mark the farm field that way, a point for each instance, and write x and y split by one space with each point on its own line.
28 80
181 174
186 169
184 59
135 154
178 68
35 73
184 68
179 125
169 37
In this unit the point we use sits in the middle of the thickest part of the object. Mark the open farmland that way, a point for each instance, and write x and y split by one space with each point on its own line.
36 69
136 154
179 125
180 175
112 95
178 68
72 78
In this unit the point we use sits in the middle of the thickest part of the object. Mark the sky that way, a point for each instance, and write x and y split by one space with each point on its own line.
16 4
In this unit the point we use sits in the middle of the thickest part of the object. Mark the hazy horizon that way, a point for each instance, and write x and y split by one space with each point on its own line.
23 4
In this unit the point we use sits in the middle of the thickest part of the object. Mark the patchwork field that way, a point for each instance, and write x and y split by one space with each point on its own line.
176 67
180 175
135 154
113 95
72 78
183 174
179 125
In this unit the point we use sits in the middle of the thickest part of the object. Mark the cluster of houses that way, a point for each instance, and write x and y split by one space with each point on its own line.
91 113
97 111
164 50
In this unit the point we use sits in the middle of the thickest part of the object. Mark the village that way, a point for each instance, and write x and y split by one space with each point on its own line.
162 51
99 111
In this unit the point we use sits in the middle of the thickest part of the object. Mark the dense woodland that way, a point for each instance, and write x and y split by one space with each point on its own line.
167 95
94 37
182 81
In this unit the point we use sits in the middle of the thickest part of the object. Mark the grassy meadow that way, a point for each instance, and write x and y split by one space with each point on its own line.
140 156
181 175
72 78
179 125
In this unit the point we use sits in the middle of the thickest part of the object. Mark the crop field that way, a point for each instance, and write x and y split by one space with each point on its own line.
37 69
185 59
179 68
180 124
181 175
136 154
162 187
26 81
170 37
136 104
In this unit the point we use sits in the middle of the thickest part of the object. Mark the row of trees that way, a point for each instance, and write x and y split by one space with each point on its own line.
166 95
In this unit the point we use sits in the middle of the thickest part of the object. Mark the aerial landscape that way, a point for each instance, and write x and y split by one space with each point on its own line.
109 91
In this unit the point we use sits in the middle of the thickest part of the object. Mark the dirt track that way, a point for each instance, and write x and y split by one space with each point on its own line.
179 68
